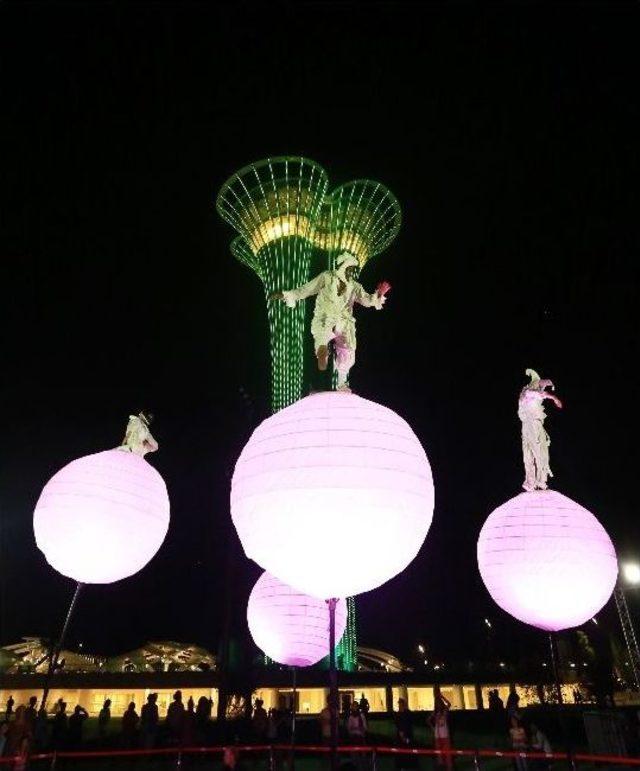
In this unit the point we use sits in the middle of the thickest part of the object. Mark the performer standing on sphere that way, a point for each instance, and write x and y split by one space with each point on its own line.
535 440
337 291
138 437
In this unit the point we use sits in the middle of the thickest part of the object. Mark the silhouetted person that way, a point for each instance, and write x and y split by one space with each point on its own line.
439 721
59 726
404 724
189 725
18 733
518 742
175 717
356 726
130 722
76 722
272 725
364 705
539 743
203 715
41 731
259 721
9 710
103 719
31 713
149 719
325 722
512 702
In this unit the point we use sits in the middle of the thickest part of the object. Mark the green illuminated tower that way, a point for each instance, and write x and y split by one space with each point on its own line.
273 204
285 217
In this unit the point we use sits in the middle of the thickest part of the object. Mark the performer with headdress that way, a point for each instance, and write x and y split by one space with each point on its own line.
535 440
333 320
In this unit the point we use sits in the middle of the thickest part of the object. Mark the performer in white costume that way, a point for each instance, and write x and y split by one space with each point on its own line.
138 437
337 291
535 440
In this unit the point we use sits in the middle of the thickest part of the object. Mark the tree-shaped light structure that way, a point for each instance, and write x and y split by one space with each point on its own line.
284 216
274 205
363 218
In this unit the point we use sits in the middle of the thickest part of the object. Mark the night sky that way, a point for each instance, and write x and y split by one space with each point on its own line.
510 137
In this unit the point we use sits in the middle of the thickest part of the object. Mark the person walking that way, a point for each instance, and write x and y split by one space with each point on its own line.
364 704
9 710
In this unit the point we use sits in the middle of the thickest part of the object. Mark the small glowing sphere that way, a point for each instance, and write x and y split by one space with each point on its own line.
290 627
546 560
333 495
631 573
102 517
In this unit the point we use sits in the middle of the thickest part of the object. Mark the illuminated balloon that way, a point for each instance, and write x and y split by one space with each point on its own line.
290 627
102 517
547 560
333 495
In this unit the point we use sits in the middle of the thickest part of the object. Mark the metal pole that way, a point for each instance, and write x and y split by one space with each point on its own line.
55 653
333 684
554 666
629 633
292 762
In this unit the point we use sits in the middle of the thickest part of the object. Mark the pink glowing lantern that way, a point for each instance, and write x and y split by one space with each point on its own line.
333 495
102 517
547 560
290 627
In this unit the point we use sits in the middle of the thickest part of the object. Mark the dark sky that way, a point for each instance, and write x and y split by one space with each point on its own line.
509 135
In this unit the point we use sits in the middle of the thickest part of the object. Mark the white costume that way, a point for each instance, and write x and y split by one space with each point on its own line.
535 440
333 313
137 437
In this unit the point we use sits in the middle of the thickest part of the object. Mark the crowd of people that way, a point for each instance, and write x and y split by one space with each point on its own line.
28 728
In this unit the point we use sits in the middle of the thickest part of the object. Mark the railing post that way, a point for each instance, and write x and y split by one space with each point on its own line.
53 761
271 759
476 760
374 759
179 759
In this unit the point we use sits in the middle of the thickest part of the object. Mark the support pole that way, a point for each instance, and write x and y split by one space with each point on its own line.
333 684
55 653
292 762
554 666
629 634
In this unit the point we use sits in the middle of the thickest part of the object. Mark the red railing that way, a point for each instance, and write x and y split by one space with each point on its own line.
180 752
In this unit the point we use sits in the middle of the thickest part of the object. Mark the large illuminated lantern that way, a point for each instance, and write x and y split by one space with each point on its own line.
290 627
546 560
333 495
103 517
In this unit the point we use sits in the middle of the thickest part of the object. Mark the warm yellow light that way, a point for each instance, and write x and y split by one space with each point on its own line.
631 572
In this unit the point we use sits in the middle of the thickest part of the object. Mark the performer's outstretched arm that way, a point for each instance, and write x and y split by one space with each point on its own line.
373 300
291 296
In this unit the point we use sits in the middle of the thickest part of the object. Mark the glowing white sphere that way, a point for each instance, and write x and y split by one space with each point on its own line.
547 560
333 495
290 627
102 517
